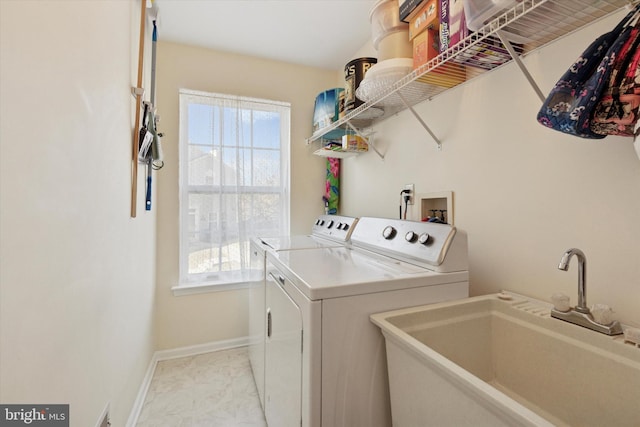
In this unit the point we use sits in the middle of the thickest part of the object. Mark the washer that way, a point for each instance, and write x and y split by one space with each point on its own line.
326 231
325 362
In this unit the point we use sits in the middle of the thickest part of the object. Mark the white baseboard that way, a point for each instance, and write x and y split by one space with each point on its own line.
193 350
105 414
142 392
175 353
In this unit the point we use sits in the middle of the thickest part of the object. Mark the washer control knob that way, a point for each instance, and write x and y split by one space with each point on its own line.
410 236
330 224
321 222
345 226
318 221
424 238
389 232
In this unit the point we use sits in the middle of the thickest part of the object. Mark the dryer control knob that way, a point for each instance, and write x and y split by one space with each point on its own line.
330 224
410 236
389 232
345 226
424 238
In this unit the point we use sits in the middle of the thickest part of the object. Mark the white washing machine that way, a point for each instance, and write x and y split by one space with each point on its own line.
327 231
325 362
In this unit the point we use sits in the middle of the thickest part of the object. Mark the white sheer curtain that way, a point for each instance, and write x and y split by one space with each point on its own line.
234 181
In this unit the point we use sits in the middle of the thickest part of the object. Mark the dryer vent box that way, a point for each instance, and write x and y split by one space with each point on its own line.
438 204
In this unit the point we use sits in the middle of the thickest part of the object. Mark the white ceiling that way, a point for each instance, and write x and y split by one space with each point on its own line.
318 33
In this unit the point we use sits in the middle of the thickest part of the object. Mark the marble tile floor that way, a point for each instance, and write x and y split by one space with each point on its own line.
207 390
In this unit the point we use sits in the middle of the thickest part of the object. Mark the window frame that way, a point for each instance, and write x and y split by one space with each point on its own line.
218 281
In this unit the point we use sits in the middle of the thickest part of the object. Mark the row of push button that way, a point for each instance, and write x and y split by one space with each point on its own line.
341 225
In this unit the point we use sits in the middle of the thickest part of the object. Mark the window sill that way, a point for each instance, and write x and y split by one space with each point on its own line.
205 288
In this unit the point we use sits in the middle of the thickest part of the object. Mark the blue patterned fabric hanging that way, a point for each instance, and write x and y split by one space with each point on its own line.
570 105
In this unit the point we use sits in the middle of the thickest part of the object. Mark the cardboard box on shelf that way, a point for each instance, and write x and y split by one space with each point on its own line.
427 16
452 25
352 142
406 7
425 47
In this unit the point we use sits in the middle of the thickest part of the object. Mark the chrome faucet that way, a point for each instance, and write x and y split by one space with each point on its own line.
582 276
580 314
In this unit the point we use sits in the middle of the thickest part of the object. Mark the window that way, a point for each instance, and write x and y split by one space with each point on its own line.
234 182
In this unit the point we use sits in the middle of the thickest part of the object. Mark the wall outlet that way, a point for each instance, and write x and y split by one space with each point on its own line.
412 192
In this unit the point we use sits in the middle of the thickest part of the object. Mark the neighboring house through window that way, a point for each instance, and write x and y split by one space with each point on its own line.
234 182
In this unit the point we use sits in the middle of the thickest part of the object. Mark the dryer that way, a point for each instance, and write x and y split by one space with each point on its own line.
326 231
325 362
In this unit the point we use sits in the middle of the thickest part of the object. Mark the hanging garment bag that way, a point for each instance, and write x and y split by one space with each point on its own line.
616 113
571 103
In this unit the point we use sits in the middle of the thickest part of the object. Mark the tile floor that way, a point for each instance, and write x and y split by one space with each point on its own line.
207 390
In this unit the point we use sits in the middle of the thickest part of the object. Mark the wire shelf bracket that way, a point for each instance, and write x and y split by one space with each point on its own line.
518 61
368 138
424 125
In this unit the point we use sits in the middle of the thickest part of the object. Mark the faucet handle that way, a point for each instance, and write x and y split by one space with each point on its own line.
602 314
561 302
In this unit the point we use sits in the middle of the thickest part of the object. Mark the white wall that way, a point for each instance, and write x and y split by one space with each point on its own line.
77 274
202 318
523 193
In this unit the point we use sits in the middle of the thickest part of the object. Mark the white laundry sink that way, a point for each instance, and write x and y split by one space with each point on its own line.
484 361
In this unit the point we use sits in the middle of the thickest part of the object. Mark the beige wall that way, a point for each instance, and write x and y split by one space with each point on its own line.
202 318
523 193
77 275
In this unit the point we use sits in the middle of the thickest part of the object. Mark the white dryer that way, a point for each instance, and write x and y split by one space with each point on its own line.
325 362
327 231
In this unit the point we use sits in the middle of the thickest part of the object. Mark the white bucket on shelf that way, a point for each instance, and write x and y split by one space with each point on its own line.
389 34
